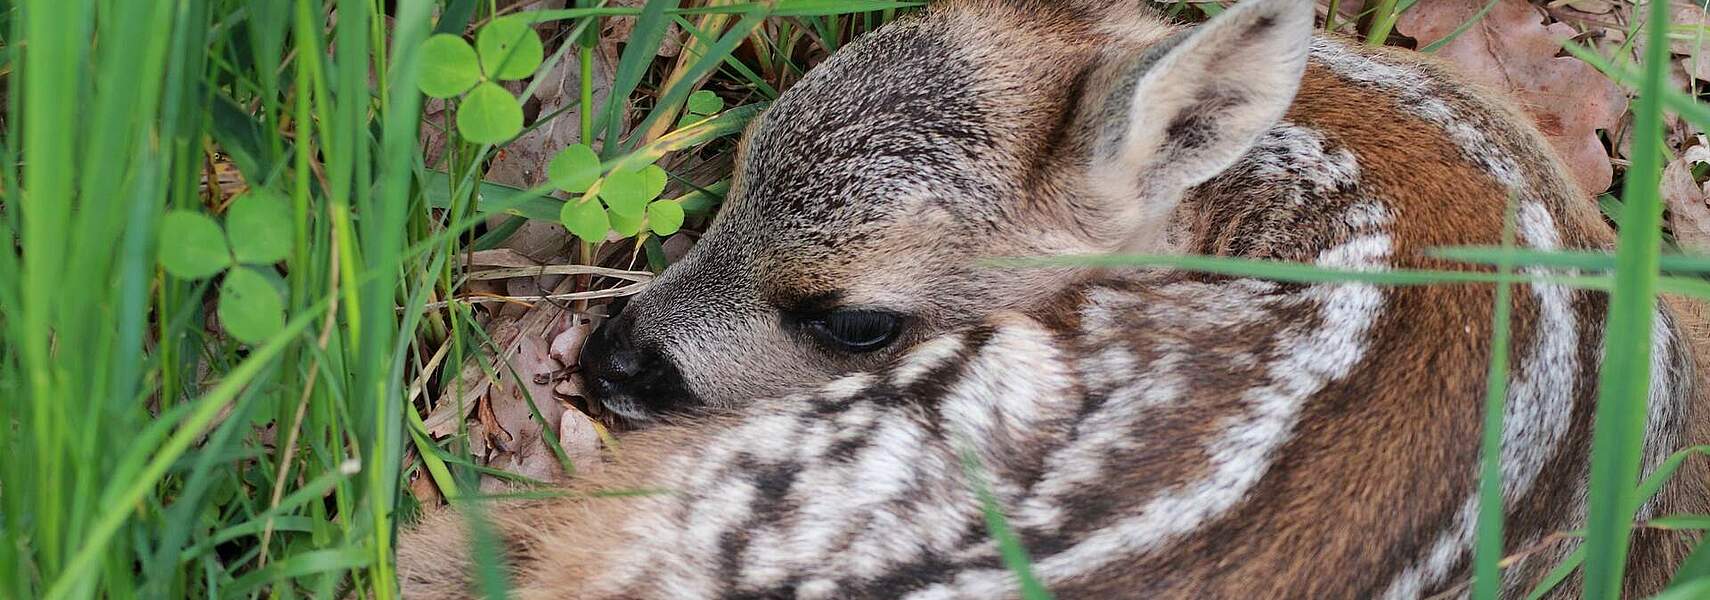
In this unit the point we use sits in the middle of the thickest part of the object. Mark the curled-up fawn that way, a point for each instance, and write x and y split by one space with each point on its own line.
835 369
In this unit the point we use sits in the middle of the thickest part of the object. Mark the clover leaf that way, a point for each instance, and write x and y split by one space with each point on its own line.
192 246
250 309
489 115
574 169
586 218
509 48
256 226
449 67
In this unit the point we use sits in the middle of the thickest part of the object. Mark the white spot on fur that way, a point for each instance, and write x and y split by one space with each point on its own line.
846 387
1309 359
1367 216
1418 94
1104 432
1292 153
817 589
1017 382
880 474
925 357
1109 367
1662 422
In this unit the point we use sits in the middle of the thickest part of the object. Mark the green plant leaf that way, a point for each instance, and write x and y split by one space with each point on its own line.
705 102
509 49
449 66
665 217
656 179
625 225
586 219
574 169
192 246
1681 522
729 122
494 198
258 225
489 115
250 307
627 193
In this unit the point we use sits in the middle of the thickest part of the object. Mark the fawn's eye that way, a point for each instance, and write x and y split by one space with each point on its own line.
854 331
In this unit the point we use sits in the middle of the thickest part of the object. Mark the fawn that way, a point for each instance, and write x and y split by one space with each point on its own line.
831 374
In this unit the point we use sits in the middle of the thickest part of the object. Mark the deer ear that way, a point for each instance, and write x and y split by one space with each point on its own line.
1187 109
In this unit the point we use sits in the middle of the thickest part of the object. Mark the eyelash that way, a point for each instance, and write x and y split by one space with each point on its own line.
854 331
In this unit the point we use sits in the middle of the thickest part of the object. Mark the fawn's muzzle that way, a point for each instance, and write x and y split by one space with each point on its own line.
634 380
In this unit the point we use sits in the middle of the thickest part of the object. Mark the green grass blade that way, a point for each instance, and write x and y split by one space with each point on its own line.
1695 569
1279 271
384 225
1624 383
207 409
1557 575
1487 550
1009 546
1690 591
1563 259
715 55
638 54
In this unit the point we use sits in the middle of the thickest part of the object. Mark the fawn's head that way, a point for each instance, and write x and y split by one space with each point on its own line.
865 197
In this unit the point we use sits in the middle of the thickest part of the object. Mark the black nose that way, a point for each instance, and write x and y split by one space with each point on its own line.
629 375
610 357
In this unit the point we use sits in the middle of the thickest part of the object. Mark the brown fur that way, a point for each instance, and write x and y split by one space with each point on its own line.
1382 459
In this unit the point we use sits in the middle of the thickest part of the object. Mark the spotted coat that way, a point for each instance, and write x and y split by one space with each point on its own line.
1146 434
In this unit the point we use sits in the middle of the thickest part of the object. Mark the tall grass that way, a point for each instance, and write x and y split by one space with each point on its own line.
1624 382
146 452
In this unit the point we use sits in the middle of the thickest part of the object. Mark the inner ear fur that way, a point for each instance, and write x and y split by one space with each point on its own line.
1186 109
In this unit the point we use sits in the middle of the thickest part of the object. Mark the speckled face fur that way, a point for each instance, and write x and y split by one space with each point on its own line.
876 186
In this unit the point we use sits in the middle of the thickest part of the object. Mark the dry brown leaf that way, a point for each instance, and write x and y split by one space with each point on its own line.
499 257
523 449
524 357
1676 132
475 385
1595 7
1699 153
522 161
677 246
1511 49
566 346
1688 22
619 28
1690 28
1689 206
534 350
1689 31
581 442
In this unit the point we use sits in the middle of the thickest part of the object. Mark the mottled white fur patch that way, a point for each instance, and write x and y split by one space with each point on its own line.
1309 358
925 357
1295 153
1419 94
